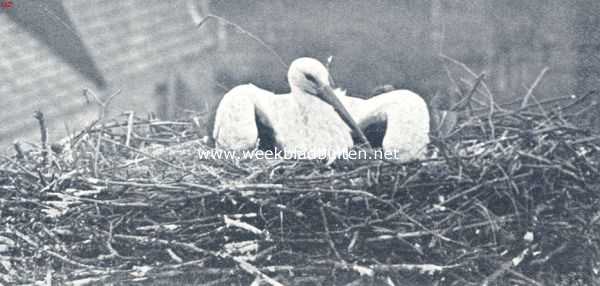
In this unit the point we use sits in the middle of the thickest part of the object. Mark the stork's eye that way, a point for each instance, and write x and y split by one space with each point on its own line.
310 78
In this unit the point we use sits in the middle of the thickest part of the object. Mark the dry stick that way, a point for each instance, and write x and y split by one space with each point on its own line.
585 140
473 74
454 83
36 245
151 157
328 235
522 276
428 268
494 276
103 104
541 108
153 140
451 78
543 102
473 99
419 233
492 105
129 128
504 267
96 155
247 267
580 99
536 82
490 117
530 94
22 168
114 203
108 242
245 32
137 122
43 135
558 250
433 232
87 130
162 187
384 268
480 185
19 150
366 269
251 269
517 136
467 100
269 188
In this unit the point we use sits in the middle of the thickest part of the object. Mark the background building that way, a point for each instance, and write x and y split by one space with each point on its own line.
152 51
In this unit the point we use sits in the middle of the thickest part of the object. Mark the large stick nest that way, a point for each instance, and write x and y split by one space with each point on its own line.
510 197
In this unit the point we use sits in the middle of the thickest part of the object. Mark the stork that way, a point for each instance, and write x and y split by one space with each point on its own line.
316 119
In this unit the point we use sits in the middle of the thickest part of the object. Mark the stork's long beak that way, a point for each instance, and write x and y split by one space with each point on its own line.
326 94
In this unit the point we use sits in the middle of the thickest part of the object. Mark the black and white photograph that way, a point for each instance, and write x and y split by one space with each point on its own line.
312 142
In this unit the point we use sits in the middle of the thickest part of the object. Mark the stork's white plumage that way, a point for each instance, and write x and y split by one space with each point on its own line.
314 120
406 120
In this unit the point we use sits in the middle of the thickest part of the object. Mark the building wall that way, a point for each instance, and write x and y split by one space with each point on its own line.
389 41
135 43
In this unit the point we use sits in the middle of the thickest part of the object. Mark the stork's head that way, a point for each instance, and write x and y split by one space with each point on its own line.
311 77
307 75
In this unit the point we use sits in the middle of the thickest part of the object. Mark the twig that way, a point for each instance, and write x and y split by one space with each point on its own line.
492 104
36 245
43 135
97 155
328 235
535 83
20 155
149 156
129 128
473 74
104 104
466 101
252 270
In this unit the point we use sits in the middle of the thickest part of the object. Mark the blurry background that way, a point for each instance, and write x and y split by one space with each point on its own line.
152 51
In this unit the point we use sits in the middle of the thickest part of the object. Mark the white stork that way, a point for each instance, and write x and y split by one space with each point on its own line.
317 120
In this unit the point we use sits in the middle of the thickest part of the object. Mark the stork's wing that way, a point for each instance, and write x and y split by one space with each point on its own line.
404 115
235 121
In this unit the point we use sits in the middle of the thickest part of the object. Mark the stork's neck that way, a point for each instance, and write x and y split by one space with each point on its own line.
308 102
